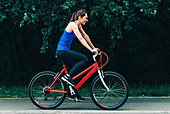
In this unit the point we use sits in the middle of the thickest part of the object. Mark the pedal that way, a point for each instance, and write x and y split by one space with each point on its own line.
73 94
76 100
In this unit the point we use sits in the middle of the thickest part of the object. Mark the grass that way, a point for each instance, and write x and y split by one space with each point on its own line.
14 91
134 91
149 90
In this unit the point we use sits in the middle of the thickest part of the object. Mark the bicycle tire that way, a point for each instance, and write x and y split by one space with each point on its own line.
118 91
42 99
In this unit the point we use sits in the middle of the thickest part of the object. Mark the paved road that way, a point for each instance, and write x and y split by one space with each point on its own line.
133 105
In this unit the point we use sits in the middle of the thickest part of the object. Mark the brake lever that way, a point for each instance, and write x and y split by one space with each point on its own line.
99 51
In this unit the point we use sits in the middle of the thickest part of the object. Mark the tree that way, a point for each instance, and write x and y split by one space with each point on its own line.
132 28
115 16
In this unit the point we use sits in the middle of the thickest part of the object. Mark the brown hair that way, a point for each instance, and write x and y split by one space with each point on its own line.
76 15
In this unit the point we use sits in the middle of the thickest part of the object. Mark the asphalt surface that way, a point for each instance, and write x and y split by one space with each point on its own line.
133 105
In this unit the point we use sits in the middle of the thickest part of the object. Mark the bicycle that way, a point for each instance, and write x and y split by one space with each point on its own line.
109 90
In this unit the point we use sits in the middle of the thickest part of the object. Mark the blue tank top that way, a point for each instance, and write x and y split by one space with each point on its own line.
66 40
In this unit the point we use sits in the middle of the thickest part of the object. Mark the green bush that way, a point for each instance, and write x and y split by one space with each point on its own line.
134 33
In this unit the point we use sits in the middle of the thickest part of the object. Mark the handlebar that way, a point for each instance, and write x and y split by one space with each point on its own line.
100 61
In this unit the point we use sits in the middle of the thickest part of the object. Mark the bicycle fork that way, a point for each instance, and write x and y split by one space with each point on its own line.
101 76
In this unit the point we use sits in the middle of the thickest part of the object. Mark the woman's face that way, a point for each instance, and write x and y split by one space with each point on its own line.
84 19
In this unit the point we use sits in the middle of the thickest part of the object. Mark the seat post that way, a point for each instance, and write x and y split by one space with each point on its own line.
65 69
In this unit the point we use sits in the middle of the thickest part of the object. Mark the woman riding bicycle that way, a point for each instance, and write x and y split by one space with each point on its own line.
74 59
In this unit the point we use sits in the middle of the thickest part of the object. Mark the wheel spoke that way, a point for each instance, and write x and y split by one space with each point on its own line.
42 98
109 99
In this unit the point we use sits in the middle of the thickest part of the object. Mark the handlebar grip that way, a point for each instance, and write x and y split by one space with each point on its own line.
94 52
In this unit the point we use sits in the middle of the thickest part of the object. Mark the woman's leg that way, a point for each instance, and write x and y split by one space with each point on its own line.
75 60
79 61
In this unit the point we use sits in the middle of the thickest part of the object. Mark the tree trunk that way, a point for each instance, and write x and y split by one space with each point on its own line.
14 53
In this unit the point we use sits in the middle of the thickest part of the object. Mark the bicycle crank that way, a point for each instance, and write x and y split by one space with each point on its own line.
73 93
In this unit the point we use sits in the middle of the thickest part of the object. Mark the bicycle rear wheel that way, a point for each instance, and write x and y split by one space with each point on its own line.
42 98
114 98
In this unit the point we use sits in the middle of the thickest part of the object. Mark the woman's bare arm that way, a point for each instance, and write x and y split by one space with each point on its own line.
80 37
87 38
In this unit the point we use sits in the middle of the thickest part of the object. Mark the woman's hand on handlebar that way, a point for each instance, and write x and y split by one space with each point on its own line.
95 51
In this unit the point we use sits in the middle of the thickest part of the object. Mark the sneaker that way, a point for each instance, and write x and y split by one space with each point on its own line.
78 97
68 80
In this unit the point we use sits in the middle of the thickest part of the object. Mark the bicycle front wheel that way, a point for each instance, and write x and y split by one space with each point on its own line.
44 99
114 98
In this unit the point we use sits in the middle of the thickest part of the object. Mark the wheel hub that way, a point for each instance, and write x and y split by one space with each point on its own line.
45 90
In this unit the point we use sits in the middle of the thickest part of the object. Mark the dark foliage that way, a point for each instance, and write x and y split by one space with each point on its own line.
134 33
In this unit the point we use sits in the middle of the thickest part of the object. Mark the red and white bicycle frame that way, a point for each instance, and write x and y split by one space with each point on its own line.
93 68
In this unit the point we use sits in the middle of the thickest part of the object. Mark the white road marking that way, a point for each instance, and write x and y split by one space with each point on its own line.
82 112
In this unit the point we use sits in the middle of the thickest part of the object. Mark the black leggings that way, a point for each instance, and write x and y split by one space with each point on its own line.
75 60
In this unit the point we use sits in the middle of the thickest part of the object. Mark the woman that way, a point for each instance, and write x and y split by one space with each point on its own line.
74 59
